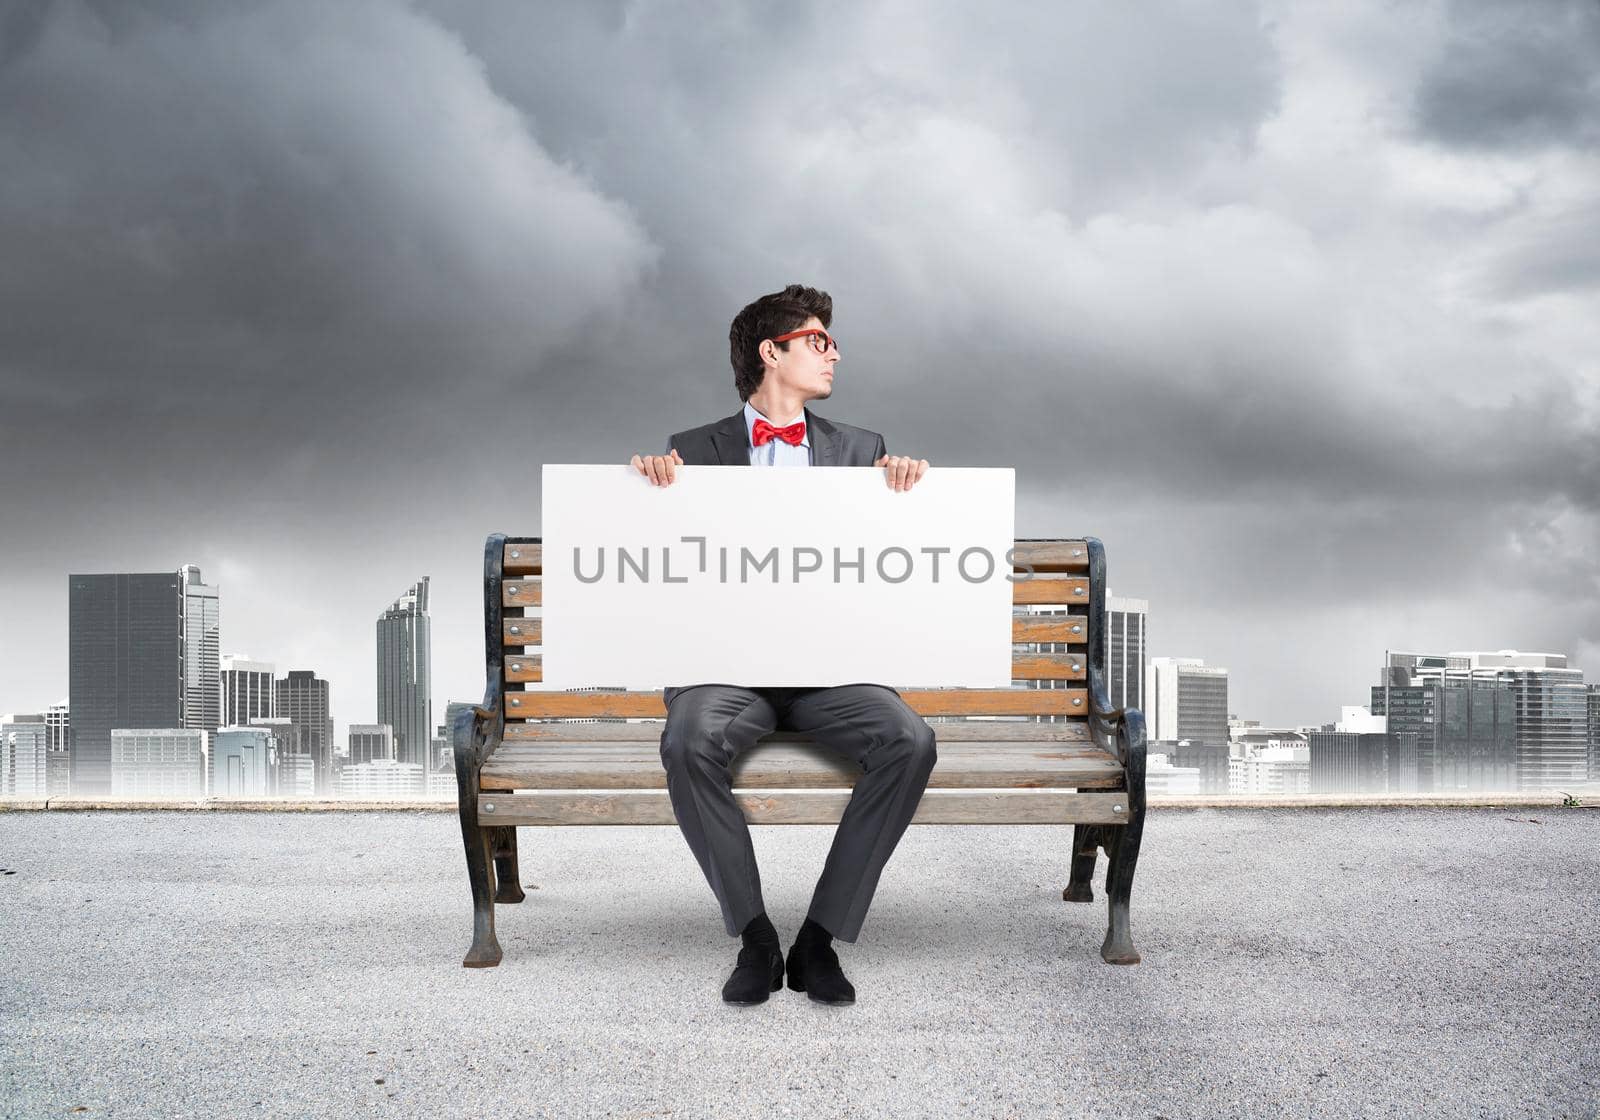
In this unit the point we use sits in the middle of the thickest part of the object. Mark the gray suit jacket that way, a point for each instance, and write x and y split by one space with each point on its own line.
727 443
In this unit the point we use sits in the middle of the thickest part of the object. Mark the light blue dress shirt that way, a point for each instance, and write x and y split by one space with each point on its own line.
775 452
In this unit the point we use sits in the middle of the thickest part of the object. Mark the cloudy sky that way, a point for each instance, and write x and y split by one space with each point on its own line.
1295 306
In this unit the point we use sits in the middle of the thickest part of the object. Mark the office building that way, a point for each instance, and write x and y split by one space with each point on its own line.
1162 779
246 690
1127 648
371 742
442 785
1357 762
1271 771
242 762
1209 761
159 762
293 771
1594 732
58 747
1259 761
405 679
1250 733
1189 700
125 638
297 776
202 636
24 756
285 734
1470 730
381 780
1466 725
302 699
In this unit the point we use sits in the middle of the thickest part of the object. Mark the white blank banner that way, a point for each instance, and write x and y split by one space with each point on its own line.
805 578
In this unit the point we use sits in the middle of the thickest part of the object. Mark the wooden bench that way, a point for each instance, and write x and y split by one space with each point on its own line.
593 757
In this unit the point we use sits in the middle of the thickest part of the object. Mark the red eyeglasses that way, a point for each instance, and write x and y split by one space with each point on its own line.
819 341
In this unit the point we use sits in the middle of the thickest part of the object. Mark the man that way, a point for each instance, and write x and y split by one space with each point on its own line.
782 358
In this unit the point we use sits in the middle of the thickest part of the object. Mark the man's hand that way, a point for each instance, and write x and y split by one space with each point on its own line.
661 470
901 472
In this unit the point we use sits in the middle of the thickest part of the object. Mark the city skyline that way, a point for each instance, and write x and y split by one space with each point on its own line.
122 626
229 652
154 690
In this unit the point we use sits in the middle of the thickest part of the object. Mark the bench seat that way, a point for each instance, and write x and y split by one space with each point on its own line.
801 765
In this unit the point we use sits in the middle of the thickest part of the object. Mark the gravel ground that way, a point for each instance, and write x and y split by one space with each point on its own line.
1297 963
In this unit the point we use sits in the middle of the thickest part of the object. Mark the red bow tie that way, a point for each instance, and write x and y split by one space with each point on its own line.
762 432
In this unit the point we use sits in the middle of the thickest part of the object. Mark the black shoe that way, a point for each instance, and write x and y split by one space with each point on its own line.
814 969
758 973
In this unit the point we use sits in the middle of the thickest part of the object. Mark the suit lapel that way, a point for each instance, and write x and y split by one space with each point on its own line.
824 441
732 441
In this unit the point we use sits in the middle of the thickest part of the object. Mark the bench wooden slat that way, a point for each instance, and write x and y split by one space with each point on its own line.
1051 555
529 592
1051 589
806 806
1041 555
785 766
1025 628
1025 666
561 732
923 701
517 632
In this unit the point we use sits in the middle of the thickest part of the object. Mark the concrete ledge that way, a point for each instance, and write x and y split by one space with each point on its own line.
1532 799
1535 799
214 804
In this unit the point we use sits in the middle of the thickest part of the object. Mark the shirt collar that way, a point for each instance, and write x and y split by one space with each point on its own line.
751 416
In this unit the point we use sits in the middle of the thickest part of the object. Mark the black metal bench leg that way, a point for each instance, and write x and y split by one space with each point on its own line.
1122 849
505 864
1085 848
485 951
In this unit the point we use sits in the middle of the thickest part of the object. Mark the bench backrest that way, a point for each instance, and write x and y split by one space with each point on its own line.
1056 627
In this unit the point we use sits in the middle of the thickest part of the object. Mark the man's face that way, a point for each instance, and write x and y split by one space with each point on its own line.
799 367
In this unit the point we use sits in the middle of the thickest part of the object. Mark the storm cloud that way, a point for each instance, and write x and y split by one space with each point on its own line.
1294 306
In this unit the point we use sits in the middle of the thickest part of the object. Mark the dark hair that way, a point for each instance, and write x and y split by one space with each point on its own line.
775 314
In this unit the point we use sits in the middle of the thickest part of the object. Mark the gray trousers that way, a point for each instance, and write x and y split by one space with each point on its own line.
709 725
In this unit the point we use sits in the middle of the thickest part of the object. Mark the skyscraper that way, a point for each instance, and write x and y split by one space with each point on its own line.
405 684
202 638
1189 701
302 699
1126 646
246 690
125 636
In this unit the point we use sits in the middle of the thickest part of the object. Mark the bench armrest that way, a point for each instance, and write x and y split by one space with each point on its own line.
1118 731
476 730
